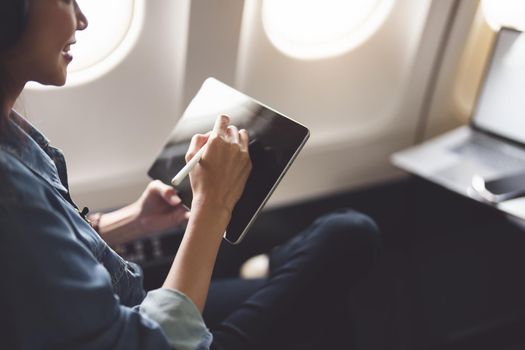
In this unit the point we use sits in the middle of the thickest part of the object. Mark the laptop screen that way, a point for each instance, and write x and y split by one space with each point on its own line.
501 103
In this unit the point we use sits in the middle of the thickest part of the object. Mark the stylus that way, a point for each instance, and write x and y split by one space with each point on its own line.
181 175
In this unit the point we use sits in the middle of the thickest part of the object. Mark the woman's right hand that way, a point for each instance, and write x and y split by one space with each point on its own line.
217 182
219 178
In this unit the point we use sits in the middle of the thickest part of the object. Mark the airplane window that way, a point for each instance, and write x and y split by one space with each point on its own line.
510 13
314 29
112 32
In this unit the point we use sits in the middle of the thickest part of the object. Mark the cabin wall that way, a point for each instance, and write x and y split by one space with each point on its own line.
361 106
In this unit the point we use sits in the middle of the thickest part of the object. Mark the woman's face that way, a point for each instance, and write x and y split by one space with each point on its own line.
42 54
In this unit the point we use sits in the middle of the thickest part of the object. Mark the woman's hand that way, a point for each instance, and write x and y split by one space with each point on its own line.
159 208
219 178
217 182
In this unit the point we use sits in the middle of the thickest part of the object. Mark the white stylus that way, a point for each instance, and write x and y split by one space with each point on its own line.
181 175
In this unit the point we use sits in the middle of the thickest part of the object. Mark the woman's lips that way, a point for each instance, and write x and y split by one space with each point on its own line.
67 56
65 52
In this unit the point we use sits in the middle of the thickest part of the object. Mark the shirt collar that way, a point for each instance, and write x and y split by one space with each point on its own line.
26 143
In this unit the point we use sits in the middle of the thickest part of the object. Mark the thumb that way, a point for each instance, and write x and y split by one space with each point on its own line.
168 193
170 196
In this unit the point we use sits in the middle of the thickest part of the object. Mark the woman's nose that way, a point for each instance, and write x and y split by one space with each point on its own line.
82 21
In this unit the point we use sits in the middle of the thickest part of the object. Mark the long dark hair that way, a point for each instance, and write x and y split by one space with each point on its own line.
13 21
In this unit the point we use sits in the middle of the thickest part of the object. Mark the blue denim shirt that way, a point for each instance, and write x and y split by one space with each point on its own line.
62 286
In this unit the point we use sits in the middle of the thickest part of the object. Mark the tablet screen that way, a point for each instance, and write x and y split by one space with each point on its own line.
275 141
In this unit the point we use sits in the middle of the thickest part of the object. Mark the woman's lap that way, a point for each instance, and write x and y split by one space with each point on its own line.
310 277
225 295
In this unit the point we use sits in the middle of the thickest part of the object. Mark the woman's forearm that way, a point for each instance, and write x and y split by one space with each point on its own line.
120 226
192 268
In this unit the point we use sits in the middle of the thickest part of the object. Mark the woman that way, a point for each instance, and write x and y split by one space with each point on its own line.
63 286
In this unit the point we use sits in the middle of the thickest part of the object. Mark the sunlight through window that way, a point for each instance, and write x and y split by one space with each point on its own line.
313 29
508 13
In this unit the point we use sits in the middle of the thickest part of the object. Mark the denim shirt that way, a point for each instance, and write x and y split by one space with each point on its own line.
62 286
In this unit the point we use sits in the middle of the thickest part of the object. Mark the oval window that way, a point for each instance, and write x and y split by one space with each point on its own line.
313 29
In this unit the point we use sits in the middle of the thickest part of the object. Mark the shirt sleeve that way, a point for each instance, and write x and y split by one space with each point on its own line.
178 317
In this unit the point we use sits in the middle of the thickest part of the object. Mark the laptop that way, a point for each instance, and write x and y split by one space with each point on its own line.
275 142
489 153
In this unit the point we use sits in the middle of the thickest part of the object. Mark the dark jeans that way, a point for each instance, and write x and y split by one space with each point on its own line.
302 304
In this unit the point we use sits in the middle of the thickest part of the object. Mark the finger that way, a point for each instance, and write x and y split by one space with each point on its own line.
168 193
244 139
197 141
221 123
232 134
172 198
178 217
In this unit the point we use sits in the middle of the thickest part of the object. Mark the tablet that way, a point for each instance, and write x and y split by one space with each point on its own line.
275 141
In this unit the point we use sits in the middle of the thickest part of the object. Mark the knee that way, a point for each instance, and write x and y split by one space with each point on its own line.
349 232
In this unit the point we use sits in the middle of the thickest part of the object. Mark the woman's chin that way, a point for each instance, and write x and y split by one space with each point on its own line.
54 81
60 79
61 82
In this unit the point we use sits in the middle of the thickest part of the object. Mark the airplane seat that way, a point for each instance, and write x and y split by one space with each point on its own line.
467 259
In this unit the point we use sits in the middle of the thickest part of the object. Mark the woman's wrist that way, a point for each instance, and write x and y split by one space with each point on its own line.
219 209
94 221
